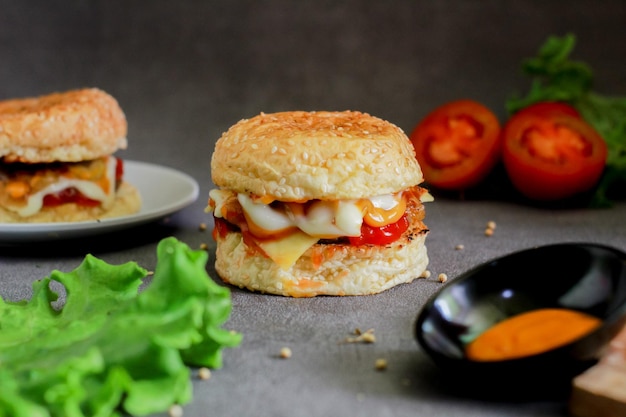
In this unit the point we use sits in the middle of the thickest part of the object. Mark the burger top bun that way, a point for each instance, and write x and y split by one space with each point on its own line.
295 156
68 127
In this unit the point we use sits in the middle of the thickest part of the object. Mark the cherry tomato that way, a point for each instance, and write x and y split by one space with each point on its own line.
457 144
548 108
69 195
381 235
550 157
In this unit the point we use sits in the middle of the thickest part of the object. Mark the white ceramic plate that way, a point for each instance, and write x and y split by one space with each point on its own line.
163 191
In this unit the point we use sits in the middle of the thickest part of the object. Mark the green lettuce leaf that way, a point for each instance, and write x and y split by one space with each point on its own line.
111 349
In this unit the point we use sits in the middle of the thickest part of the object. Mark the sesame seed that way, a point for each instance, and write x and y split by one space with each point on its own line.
361 337
175 411
488 232
443 278
491 224
380 364
204 373
285 353
459 247
368 337
202 227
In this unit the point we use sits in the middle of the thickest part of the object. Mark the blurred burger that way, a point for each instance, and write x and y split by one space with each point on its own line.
56 162
317 203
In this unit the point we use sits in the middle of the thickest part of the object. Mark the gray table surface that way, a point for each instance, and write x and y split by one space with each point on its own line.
185 71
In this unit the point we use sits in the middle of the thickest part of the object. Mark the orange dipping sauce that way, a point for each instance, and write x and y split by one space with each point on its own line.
530 333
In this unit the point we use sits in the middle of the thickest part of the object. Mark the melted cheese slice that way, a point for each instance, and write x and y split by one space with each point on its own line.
287 250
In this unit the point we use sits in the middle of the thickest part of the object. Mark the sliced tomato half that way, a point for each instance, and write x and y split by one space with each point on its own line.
457 144
552 157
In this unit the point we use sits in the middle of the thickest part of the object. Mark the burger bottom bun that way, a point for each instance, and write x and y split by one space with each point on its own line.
127 201
349 270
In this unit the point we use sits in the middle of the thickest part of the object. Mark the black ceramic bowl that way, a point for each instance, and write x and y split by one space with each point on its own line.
585 277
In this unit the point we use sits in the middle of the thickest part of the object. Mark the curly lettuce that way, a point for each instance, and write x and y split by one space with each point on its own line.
111 349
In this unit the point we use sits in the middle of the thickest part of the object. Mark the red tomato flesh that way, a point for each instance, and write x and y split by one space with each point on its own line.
552 157
380 235
119 170
69 195
221 228
457 144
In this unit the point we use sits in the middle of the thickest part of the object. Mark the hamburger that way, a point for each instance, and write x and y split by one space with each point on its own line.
56 159
317 203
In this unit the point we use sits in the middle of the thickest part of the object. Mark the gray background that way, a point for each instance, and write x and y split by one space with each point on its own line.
185 71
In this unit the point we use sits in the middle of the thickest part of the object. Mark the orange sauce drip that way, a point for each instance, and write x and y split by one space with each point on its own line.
530 333
378 217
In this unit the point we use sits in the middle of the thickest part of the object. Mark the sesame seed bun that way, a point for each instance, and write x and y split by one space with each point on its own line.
346 271
300 156
295 156
68 127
